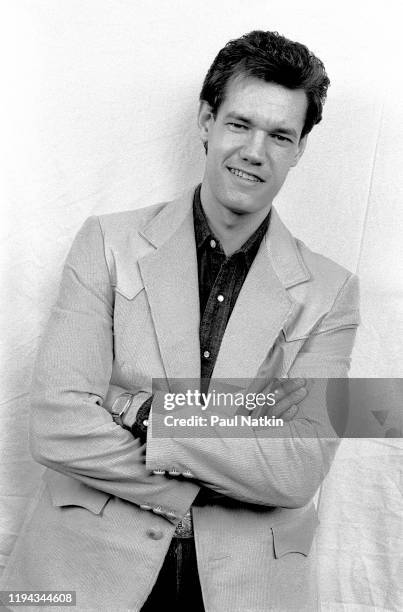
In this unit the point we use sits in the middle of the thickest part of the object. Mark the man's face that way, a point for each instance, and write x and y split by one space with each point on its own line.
252 143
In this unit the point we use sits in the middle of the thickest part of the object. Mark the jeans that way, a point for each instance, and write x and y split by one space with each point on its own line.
177 587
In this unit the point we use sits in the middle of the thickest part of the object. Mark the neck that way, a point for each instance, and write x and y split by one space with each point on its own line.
231 228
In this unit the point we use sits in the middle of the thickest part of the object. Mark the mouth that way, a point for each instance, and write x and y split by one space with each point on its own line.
247 176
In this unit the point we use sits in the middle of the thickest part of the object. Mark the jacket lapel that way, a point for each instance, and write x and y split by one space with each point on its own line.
170 279
264 305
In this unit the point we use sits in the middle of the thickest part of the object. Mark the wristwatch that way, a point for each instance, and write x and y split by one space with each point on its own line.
119 408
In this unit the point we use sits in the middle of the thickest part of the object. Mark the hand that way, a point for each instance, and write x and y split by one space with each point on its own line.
289 392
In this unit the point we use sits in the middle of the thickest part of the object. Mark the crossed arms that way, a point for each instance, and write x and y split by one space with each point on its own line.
73 434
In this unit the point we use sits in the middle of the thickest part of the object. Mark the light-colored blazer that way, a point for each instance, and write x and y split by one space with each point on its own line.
127 312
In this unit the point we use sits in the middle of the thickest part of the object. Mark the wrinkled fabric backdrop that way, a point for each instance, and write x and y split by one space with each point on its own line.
98 110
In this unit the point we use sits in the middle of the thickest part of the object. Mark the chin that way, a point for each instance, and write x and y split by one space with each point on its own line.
242 208
239 210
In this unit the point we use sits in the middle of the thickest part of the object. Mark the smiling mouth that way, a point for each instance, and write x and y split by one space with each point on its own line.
245 175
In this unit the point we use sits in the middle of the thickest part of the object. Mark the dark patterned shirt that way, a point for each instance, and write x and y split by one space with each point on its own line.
220 281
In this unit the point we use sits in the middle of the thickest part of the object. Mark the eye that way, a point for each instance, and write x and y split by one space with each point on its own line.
237 126
281 138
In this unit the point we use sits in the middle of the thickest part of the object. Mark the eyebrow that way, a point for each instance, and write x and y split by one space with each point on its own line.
278 129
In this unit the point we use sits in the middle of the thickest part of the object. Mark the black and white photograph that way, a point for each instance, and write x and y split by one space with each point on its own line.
201 219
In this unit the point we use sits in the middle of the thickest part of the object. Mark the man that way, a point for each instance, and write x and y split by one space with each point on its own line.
213 286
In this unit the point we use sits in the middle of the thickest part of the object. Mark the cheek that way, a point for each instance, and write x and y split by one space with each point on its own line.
225 146
212 164
216 162
283 164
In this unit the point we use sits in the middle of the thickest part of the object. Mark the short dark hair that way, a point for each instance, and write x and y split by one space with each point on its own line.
273 58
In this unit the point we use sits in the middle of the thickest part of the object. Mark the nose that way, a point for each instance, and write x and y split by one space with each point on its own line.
254 150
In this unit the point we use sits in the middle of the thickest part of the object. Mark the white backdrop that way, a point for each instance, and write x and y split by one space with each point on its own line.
97 114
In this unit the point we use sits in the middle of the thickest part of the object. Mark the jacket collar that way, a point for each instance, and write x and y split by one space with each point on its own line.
281 244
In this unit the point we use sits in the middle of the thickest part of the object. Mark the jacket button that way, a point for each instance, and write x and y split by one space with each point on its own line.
155 534
145 506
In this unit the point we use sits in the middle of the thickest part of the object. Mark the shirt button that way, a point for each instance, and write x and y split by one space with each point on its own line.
155 534
213 244
220 298
206 354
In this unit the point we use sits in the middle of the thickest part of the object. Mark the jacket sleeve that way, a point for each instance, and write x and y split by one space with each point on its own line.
269 466
70 431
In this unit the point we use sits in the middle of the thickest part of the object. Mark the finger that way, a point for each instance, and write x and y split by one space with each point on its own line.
285 392
290 414
295 397
285 402
287 414
286 386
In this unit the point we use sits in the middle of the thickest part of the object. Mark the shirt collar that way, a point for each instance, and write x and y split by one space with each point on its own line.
204 233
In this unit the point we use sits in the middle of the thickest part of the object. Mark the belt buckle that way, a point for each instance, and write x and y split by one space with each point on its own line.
184 528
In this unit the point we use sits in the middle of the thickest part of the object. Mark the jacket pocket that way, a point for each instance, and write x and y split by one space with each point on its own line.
128 282
296 536
66 491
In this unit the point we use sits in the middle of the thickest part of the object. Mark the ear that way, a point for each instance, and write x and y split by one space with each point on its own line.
205 120
300 150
